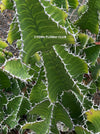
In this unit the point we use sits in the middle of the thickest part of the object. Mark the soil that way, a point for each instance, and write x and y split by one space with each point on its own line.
5 21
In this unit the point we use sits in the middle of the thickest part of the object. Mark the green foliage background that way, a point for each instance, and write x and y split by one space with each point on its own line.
49 87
